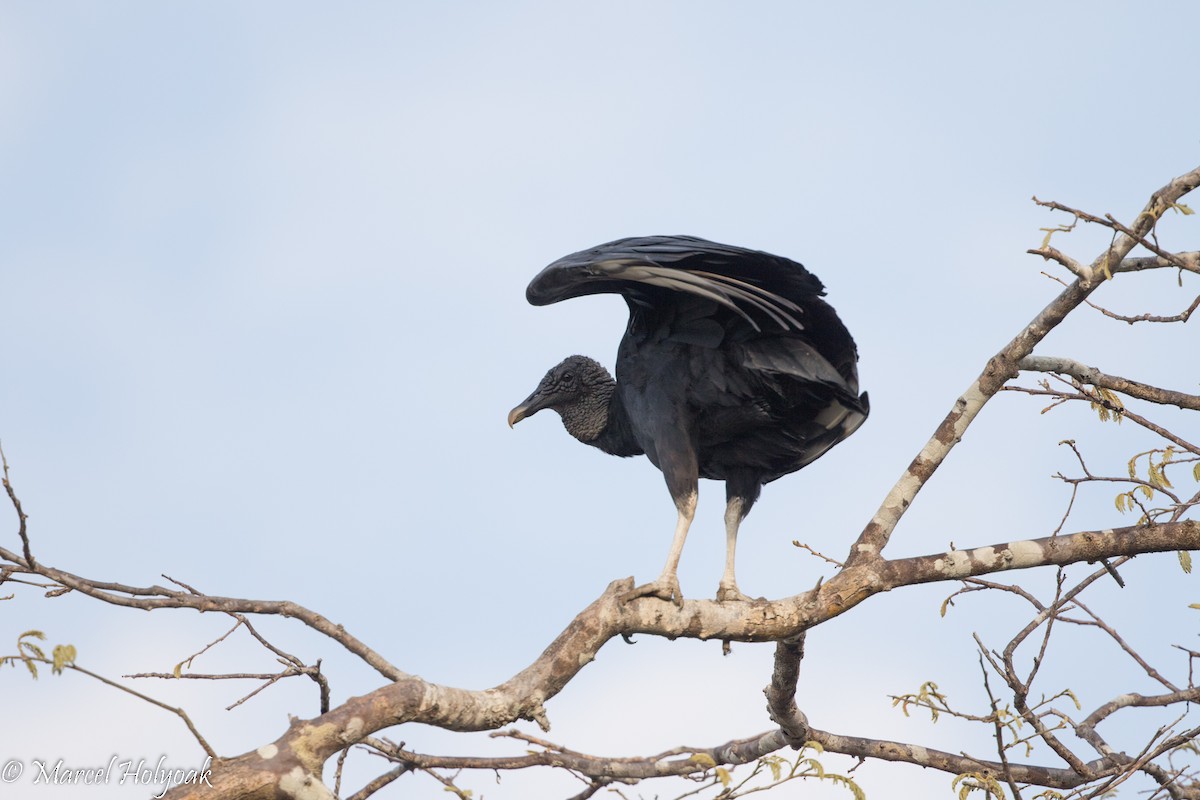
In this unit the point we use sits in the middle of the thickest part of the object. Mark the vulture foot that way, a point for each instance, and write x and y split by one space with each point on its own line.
665 588
727 592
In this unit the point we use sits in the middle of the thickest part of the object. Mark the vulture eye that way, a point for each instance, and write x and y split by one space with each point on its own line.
568 377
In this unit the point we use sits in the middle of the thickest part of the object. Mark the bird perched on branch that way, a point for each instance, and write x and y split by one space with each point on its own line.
732 367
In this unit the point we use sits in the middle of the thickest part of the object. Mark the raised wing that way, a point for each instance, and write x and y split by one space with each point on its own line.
763 289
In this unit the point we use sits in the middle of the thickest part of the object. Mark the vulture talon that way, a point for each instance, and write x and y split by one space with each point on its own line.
664 589
727 594
732 368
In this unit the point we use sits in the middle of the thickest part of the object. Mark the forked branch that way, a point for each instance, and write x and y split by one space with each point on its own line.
1006 363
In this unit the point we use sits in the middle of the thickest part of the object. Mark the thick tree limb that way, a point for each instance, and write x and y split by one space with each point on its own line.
1089 546
781 692
1189 261
680 761
744 751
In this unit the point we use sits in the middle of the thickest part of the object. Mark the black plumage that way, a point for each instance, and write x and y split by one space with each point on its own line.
732 367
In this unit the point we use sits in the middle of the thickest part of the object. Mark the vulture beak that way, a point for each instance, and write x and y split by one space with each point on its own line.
517 414
528 407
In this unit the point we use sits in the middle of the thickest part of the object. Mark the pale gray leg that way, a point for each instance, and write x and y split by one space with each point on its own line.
735 512
667 584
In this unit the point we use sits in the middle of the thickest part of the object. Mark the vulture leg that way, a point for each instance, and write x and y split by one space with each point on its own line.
666 586
740 496
734 515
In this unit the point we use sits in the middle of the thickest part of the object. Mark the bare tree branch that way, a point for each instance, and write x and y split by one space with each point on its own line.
1093 376
1189 261
22 528
1005 365
152 597
1116 637
179 712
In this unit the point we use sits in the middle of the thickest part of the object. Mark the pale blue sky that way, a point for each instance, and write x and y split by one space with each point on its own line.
262 273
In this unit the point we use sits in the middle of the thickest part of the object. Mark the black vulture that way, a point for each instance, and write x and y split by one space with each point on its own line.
732 367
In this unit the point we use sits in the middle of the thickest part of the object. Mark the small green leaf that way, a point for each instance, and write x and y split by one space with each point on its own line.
64 655
26 647
1163 482
178 671
703 759
724 777
1185 561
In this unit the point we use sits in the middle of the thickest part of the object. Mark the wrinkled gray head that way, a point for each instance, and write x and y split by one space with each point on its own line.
579 389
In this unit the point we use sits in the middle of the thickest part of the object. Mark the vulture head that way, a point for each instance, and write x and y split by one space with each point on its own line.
580 390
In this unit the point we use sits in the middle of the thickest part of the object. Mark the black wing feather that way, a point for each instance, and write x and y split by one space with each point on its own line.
681 282
652 270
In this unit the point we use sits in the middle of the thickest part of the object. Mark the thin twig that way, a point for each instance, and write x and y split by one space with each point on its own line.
22 530
179 712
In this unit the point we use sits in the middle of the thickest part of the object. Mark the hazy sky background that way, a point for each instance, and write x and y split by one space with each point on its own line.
262 272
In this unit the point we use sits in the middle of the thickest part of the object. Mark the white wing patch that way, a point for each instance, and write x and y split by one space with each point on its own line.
832 416
729 292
